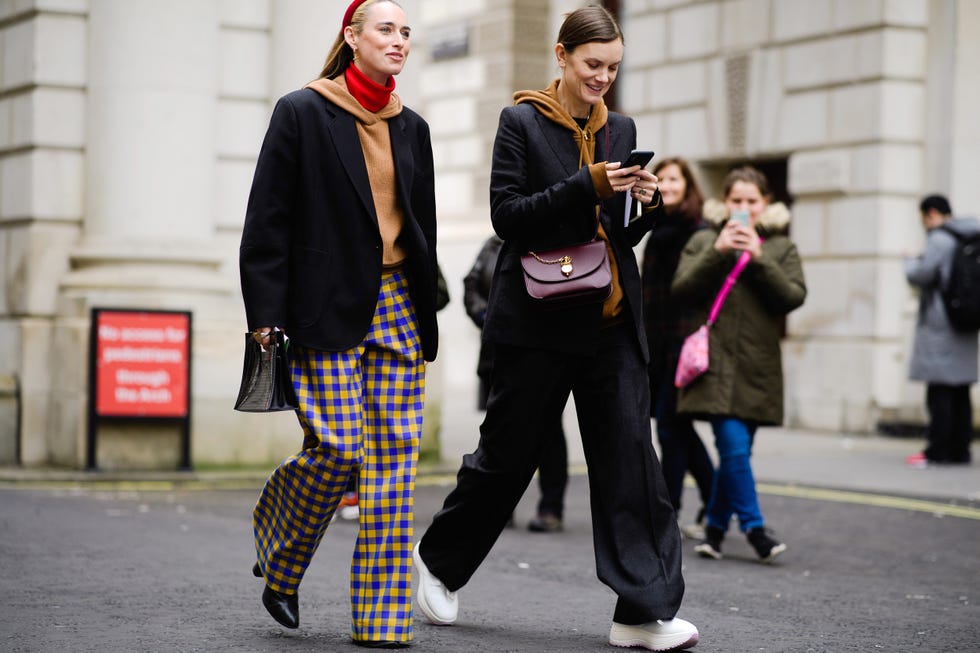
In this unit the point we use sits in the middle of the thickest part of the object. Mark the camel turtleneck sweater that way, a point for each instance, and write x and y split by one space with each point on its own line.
372 129
547 103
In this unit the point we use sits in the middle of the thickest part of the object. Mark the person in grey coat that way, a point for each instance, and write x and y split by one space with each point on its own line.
942 356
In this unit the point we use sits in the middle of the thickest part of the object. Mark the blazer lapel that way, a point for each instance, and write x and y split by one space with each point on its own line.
612 217
615 141
561 142
601 141
343 132
401 151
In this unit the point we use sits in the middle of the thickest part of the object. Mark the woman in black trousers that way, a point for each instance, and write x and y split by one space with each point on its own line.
553 465
556 180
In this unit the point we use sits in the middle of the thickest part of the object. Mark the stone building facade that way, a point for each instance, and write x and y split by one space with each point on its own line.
129 130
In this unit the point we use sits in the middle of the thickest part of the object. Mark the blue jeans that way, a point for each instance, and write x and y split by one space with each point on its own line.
733 492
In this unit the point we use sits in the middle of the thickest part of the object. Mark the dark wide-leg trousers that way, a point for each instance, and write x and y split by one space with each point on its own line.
681 448
950 423
553 472
637 543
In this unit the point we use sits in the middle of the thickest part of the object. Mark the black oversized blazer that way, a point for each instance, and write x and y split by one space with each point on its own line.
540 199
311 251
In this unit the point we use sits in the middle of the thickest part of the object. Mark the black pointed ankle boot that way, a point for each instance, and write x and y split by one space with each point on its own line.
284 608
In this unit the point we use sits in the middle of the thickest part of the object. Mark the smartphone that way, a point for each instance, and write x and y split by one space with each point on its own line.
638 158
741 217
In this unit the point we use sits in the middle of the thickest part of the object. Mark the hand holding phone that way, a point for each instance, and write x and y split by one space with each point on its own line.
740 217
638 158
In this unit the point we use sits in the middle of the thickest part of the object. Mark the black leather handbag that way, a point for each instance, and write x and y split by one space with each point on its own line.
266 382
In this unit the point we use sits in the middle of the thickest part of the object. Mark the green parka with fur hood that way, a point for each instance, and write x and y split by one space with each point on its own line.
745 376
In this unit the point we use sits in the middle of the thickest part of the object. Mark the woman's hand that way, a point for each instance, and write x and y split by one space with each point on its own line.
639 182
736 236
261 335
621 179
645 187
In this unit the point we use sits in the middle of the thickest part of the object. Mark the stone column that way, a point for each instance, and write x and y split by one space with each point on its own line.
148 231
42 134
150 153
965 142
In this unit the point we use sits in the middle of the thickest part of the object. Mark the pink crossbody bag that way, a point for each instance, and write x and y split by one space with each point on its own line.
693 361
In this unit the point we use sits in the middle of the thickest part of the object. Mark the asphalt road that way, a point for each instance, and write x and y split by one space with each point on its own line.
116 569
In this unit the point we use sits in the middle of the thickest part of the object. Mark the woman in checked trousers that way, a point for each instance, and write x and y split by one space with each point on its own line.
338 250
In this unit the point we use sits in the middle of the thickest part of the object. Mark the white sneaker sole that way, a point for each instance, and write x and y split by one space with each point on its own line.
420 599
349 513
773 553
693 532
707 551
627 637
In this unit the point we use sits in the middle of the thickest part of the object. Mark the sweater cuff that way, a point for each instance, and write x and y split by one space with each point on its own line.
655 203
600 181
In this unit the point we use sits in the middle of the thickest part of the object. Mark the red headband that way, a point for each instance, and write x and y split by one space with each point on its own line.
349 14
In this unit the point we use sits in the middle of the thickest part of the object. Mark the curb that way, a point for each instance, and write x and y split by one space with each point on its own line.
61 478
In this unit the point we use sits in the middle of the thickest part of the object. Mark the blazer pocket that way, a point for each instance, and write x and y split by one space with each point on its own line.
307 287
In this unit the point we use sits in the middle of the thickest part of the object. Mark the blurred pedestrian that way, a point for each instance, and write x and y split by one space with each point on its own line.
553 465
338 250
668 321
556 180
743 388
943 357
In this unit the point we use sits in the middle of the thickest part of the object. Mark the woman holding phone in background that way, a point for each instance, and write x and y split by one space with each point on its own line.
668 321
743 388
557 180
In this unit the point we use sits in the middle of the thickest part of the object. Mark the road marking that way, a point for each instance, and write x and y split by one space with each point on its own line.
866 499
799 492
447 480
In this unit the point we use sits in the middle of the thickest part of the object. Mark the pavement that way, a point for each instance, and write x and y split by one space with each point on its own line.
881 557
783 457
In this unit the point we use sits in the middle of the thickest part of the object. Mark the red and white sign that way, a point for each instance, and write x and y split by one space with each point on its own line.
141 363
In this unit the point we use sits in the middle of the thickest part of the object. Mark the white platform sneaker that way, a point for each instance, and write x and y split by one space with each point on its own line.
661 635
437 603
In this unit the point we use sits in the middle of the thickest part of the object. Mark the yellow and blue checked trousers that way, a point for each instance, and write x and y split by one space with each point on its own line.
361 412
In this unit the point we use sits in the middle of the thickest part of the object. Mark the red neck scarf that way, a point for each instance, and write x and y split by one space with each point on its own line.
368 93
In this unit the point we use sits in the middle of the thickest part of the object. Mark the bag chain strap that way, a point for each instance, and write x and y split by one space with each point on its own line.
566 261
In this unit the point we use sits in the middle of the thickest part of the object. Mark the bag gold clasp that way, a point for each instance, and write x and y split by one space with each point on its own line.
566 265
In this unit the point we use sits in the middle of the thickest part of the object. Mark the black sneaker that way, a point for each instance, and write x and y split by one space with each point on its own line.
545 522
766 547
711 546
